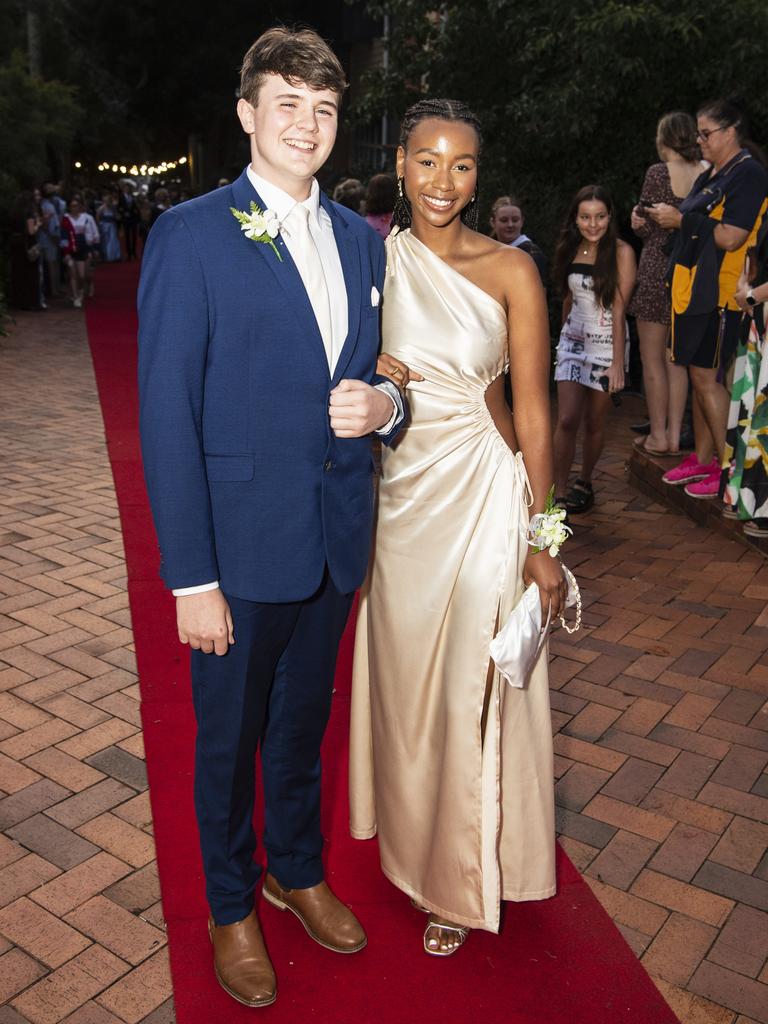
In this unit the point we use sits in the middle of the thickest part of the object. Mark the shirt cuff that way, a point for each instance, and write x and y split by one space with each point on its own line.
200 589
397 400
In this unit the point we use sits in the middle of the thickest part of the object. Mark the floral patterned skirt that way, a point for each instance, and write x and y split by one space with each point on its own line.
744 482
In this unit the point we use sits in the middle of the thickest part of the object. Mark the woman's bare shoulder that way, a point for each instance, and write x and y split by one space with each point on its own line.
477 244
501 257
624 250
515 276
516 265
502 270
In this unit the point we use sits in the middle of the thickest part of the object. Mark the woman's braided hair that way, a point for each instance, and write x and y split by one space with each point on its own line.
440 110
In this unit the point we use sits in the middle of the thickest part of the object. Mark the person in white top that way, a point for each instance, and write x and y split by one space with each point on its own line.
258 341
79 237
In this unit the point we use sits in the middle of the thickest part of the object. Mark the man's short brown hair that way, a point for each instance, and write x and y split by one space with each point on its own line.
299 56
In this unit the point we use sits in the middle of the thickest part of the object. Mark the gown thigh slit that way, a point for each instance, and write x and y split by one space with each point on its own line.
453 775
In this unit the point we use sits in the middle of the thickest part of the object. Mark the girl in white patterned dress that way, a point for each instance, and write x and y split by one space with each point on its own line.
595 271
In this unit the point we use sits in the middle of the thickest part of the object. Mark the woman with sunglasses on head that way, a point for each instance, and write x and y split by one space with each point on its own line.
717 223
449 765
595 272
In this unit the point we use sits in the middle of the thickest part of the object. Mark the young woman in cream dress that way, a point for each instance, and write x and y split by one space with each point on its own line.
451 767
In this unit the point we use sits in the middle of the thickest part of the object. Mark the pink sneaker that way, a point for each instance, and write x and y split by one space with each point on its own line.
706 488
690 469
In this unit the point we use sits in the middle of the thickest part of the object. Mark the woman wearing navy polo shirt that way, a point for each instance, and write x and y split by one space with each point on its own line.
732 192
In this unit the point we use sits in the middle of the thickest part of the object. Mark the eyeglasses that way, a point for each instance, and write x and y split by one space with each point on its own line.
704 133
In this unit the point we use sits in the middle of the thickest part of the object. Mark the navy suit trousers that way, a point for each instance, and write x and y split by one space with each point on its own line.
270 692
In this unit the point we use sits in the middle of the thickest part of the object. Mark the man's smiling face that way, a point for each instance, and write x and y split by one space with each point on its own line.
292 130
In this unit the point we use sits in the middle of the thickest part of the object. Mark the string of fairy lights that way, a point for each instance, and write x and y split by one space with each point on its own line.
143 169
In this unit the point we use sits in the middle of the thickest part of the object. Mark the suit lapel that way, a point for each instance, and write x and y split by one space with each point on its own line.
286 273
349 254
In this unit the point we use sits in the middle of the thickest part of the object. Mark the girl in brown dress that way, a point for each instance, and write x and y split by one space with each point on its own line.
665 384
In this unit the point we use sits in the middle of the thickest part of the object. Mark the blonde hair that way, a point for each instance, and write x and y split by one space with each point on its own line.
502 201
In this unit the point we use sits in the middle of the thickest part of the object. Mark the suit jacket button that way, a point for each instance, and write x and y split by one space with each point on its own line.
328 466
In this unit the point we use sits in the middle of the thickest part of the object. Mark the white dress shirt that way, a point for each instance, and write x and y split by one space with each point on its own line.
321 229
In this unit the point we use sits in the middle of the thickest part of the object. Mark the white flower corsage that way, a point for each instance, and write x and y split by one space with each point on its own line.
546 529
259 225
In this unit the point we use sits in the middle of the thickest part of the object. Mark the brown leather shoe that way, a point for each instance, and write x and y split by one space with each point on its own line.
325 918
242 964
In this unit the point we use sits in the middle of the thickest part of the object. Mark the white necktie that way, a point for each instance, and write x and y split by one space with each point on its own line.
310 267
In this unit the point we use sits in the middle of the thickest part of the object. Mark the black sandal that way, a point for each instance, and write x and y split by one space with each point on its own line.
580 498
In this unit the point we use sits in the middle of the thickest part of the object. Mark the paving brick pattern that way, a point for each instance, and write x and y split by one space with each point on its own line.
661 743
659 704
78 879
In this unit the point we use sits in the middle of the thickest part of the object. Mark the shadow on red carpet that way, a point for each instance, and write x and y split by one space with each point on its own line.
559 960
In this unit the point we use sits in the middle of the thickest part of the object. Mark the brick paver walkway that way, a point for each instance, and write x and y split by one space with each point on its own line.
659 710
81 926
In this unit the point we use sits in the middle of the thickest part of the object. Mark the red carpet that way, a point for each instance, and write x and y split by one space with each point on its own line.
561 960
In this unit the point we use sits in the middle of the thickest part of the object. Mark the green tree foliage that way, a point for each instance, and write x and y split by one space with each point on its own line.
570 93
150 74
35 117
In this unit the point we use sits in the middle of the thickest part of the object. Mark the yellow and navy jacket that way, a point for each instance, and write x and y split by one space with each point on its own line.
703 278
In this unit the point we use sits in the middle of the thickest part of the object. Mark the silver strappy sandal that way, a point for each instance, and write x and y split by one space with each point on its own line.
458 930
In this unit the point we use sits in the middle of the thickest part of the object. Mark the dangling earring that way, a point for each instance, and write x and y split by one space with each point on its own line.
400 186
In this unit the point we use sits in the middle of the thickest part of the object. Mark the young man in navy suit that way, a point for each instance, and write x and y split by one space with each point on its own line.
259 332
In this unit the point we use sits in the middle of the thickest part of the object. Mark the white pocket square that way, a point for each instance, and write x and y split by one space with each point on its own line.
375 297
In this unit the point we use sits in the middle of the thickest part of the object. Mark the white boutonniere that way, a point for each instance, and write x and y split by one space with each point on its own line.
259 225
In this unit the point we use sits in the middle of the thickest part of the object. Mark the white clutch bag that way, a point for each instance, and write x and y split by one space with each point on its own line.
516 647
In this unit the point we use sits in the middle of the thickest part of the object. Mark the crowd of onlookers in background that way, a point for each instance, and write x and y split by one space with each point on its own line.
55 242
694 301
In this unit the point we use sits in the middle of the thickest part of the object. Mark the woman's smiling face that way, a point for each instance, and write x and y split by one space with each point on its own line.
507 224
592 220
439 169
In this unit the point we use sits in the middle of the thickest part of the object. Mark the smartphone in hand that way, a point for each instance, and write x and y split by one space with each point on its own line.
604 383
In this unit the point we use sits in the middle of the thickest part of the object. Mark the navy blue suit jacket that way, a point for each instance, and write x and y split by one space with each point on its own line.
248 483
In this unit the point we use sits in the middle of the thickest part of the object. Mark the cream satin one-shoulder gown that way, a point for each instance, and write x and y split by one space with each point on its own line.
456 779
